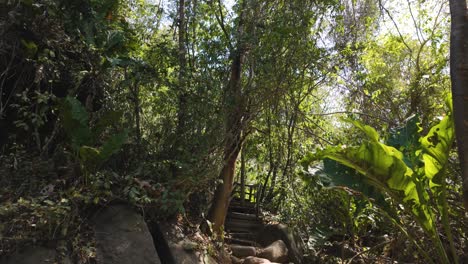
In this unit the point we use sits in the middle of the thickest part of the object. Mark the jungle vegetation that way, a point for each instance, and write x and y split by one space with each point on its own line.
349 115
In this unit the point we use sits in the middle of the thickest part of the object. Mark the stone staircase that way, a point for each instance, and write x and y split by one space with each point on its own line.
242 223
250 239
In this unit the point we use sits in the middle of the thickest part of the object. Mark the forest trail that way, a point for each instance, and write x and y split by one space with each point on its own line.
246 229
242 222
346 118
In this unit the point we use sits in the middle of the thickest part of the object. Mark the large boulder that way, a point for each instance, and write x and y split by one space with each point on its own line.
35 255
276 252
272 233
122 237
243 251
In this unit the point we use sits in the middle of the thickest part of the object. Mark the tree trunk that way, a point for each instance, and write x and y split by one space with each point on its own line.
261 195
218 211
459 78
182 54
233 143
286 170
242 177
271 191
271 161
136 106
236 116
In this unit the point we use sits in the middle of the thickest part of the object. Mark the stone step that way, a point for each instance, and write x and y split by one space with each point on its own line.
238 229
246 204
242 242
242 226
236 215
243 235
241 209
243 221
242 251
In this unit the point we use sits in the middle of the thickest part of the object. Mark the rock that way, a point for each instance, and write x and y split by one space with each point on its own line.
182 250
161 243
243 251
122 237
183 256
276 252
272 233
226 258
189 245
256 260
35 255
236 260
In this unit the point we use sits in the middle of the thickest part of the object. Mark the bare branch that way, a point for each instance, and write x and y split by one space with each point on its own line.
396 26
221 23
350 112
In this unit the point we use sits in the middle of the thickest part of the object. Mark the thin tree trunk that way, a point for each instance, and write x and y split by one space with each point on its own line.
182 78
136 98
459 78
236 117
281 192
242 176
234 111
263 186
271 161
271 190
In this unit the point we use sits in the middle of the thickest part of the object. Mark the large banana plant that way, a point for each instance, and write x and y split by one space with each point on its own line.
413 187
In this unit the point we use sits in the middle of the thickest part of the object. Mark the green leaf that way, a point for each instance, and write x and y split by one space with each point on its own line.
90 157
113 144
75 120
368 130
114 39
30 48
341 175
436 147
405 136
108 119
384 168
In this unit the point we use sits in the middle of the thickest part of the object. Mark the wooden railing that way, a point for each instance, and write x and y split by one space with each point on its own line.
249 195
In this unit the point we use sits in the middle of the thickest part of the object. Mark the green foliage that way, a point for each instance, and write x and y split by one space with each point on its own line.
33 107
394 71
125 55
43 215
30 48
335 174
75 120
406 139
384 167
